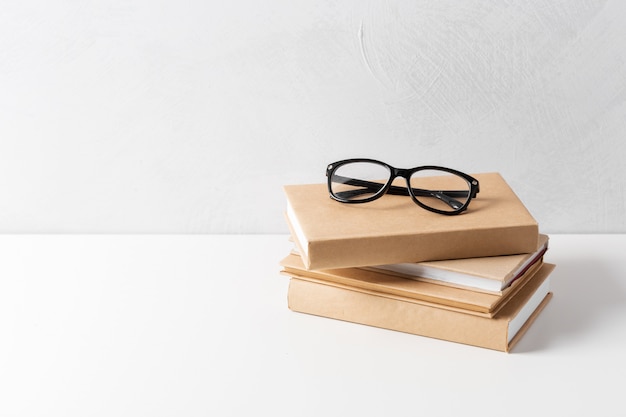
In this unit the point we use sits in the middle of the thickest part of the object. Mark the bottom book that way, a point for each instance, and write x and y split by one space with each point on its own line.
351 304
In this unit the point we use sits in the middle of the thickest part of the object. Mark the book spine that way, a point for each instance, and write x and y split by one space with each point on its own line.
380 250
368 309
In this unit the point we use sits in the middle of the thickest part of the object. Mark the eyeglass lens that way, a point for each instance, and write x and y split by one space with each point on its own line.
440 190
359 180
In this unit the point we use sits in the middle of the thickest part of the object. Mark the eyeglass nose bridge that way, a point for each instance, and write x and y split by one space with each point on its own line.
400 172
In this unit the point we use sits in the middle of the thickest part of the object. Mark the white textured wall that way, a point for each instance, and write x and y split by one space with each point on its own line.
189 116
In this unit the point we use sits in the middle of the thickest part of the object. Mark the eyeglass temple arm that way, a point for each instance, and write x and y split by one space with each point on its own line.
369 186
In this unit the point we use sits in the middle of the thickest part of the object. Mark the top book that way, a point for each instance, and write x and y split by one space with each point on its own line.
393 229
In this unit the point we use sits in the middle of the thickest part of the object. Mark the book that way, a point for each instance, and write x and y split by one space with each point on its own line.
490 274
501 332
423 292
393 229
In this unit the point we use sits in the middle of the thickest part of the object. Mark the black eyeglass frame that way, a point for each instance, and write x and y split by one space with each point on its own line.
406 173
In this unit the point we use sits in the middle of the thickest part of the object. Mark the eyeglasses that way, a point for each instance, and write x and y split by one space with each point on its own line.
438 189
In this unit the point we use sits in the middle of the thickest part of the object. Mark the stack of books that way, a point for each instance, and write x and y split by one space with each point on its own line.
477 278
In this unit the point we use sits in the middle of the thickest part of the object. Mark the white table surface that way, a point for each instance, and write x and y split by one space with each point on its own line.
114 325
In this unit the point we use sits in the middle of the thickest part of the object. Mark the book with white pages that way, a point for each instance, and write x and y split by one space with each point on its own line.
490 274
500 332
332 235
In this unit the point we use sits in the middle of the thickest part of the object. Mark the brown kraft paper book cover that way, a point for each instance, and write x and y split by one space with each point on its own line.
393 229
393 286
492 274
500 333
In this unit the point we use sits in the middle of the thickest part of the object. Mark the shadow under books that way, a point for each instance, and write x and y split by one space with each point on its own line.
585 293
